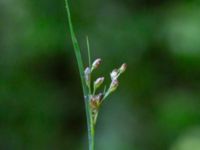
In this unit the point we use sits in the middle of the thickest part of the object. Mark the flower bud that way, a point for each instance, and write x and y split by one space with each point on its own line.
96 64
96 101
113 86
93 102
100 97
114 74
122 68
87 75
87 71
98 82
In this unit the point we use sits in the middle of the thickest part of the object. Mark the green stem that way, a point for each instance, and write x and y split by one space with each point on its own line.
89 62
89 53
90 124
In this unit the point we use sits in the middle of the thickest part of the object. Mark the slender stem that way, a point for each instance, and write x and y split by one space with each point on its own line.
89 54
90 124
94 90
90 92
89 62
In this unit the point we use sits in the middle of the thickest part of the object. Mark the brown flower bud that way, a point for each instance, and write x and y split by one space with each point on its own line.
96 64
96 101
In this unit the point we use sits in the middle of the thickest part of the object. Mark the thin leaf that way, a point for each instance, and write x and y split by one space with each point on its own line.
90 123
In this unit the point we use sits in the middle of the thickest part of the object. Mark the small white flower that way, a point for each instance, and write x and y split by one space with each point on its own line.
113 86
122 68
114 74
87 70
87 76
98 82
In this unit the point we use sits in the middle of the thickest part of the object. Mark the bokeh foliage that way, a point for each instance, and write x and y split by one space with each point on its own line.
157 104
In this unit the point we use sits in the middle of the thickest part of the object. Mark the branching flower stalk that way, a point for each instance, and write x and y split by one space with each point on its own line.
92 99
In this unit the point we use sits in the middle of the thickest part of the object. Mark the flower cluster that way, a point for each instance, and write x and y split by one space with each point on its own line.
97 99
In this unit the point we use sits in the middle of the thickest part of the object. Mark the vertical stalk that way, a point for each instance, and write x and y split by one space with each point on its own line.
91 145
90 124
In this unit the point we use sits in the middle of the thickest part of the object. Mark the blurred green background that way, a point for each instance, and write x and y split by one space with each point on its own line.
157 105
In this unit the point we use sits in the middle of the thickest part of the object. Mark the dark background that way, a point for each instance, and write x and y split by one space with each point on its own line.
157 105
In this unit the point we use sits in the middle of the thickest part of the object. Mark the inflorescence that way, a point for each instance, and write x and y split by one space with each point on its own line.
96 100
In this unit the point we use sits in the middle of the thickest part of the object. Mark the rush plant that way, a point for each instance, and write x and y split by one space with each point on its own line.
93 100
